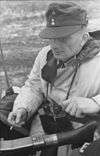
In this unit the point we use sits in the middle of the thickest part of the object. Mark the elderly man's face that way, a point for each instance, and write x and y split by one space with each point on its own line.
64 48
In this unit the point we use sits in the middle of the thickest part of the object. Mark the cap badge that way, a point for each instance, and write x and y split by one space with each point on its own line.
52 21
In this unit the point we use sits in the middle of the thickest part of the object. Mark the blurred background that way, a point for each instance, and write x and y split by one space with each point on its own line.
20 23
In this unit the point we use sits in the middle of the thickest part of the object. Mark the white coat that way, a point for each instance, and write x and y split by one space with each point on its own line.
86 84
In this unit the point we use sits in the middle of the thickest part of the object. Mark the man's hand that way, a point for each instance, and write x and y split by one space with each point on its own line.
80 106
18 117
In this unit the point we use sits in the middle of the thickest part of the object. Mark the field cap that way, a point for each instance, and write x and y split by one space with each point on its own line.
63 20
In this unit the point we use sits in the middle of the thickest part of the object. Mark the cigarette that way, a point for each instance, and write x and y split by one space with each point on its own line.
11 127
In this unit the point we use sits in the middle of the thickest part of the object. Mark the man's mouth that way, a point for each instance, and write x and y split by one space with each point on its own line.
57 51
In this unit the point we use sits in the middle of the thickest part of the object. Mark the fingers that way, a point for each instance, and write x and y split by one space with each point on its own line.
71 107
73 111
12 118
19 119
15 119
65 103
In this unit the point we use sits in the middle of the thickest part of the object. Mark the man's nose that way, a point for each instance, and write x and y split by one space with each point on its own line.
54 41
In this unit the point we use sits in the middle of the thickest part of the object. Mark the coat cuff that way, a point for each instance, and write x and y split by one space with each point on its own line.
96 99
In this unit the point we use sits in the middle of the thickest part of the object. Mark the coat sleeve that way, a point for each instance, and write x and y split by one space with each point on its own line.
97 100
31 95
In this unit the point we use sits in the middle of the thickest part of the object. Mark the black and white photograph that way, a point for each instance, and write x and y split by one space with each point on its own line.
49 77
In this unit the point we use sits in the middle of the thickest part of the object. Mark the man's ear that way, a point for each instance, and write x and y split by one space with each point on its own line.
85 37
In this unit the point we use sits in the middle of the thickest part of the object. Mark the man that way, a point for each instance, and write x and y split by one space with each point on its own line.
66 71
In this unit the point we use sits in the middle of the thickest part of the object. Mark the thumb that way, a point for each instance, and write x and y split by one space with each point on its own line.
11 117
65 103
18 117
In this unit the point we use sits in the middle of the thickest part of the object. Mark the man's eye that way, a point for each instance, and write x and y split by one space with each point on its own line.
64 39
